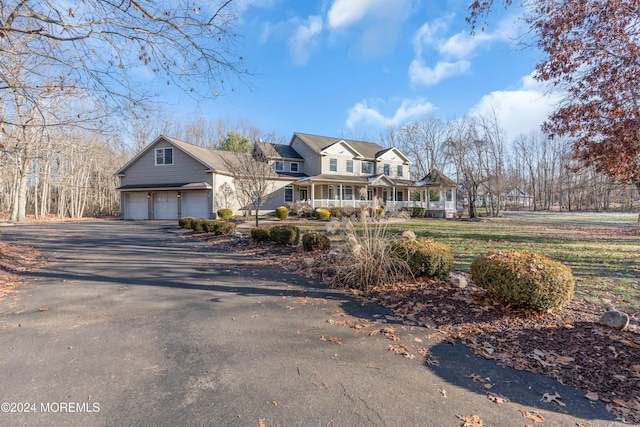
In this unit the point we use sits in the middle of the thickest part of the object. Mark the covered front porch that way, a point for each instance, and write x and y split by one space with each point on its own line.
374 192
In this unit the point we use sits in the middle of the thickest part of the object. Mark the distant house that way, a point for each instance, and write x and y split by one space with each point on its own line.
170 178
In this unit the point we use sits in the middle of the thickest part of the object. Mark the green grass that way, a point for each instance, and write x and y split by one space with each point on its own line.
606 265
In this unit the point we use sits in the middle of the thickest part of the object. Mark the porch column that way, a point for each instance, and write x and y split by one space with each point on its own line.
340 196
313 194
393 197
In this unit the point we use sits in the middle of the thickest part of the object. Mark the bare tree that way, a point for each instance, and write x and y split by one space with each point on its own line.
253 179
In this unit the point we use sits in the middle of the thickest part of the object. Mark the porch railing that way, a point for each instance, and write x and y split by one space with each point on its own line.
435 206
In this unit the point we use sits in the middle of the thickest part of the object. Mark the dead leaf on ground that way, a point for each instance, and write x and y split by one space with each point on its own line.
471 421
549 398
43 309
497 398
592 395
335 340
534 416
261 422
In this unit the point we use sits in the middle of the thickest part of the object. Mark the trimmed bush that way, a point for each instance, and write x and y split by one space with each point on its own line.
260 233
314 241
185 221
197 224
415 212
524 280
224 213
282 212
425 257
321 213
285 234
336 212
218 227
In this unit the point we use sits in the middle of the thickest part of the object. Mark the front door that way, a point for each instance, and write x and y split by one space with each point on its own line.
303 194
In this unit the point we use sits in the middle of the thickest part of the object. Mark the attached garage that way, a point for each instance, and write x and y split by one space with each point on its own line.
136 206
195 204
165 205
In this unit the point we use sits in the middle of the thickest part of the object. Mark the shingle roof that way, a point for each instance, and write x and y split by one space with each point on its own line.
218 160
437 178
369 150
278 151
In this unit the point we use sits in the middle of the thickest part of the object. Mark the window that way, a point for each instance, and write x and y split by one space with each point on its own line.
399 171
164 156
279 166
449 195
347 193
294 167
333 165
349 166
387 169
331 192
367 168
288 194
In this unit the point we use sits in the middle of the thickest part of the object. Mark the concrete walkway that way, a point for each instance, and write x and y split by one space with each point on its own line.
132 324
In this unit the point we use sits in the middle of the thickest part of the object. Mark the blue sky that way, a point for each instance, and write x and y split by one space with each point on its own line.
350 68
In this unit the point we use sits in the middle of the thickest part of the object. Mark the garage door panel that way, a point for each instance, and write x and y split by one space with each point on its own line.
137 206
165 205
195 204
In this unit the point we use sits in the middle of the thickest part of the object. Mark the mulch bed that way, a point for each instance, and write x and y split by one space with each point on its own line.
570 345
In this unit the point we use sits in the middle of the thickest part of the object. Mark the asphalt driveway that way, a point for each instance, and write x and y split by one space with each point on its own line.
132 324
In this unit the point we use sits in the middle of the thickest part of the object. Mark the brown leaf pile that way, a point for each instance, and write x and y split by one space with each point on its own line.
14 260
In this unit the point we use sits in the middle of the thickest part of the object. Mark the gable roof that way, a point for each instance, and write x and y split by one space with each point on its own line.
435 178
278 151
368 150
215 160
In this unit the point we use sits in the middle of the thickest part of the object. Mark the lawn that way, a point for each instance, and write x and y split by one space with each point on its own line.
605 259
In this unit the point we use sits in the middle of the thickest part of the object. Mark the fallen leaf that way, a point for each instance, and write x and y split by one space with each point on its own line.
549 398
43 309
443 392
592 395
497 398
261 422
533 416
335 340
471 421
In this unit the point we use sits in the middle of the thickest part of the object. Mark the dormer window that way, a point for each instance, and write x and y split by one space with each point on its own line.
164 156
294 167
279 166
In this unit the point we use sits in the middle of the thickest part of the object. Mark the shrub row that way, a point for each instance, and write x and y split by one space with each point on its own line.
202 225
280 234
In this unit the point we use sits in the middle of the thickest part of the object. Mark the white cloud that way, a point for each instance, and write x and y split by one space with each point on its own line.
362 113
453 52
344 13
303 41
519 111
419 73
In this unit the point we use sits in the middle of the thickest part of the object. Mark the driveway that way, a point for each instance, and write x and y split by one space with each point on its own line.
133 324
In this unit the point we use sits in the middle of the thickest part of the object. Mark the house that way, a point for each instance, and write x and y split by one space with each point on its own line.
171 178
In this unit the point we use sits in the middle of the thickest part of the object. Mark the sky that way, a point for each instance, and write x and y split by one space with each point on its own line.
352 68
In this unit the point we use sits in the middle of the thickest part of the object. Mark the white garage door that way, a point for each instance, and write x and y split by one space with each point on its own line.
136 206
195 204
165 205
